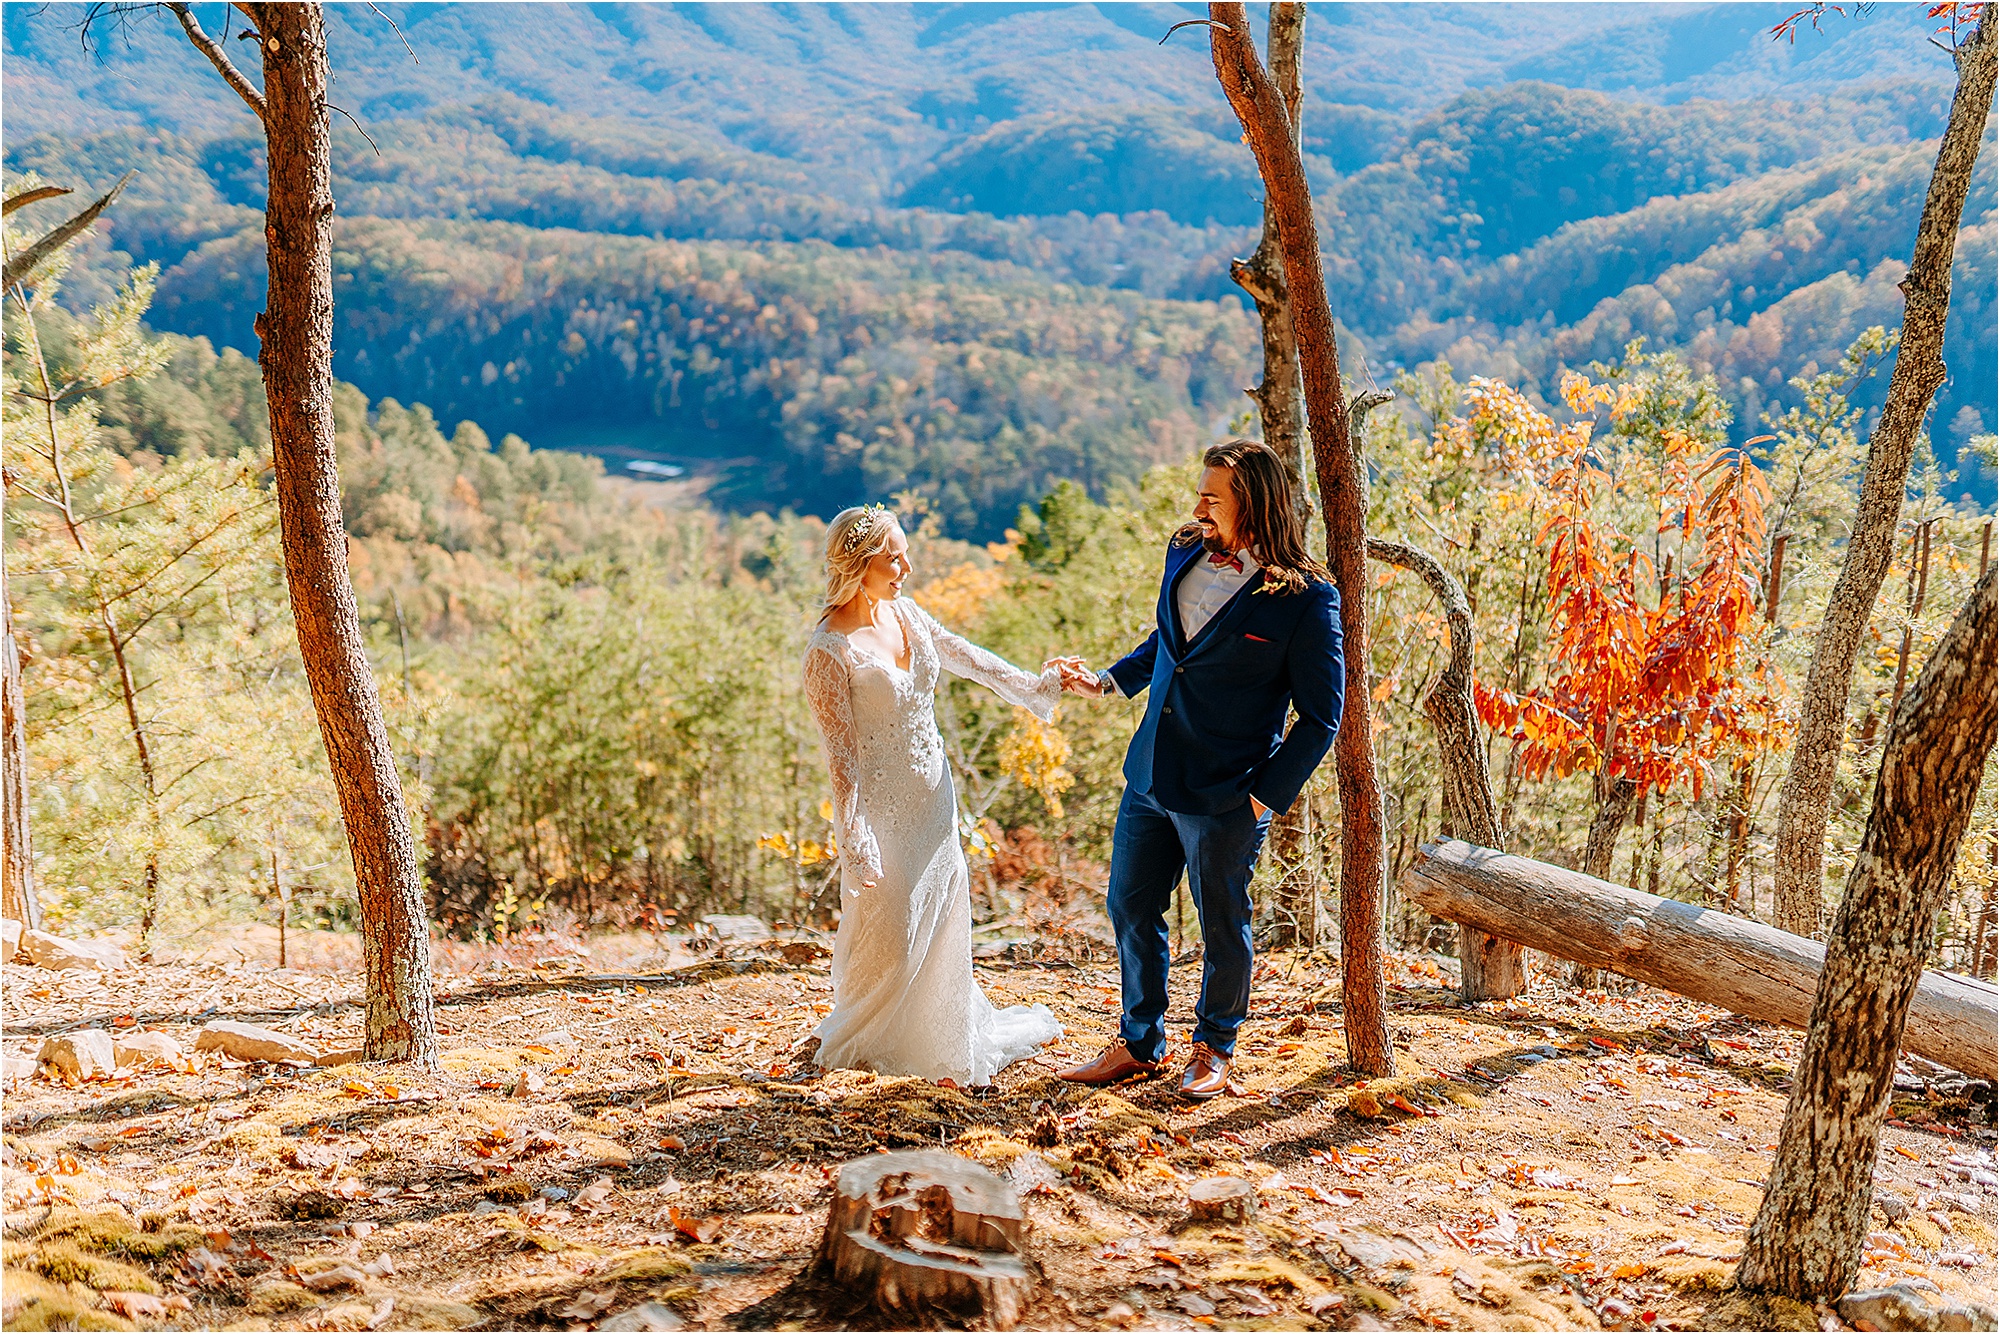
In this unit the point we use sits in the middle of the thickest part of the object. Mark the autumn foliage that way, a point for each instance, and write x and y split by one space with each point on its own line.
1656 672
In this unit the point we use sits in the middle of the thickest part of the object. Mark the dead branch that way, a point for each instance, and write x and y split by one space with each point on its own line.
18 267
218 57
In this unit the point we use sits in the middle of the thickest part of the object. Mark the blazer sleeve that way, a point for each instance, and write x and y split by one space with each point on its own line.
1134 671
1319 683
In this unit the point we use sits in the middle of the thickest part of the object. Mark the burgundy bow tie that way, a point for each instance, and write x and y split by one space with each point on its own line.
1228 558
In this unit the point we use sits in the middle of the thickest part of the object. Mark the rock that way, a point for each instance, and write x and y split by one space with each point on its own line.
1970 1315
248 1042
17 1068
10 939
68 956
646 1316
345 1056
1893 1206
1899 1306
743 930
82 1055
560 1037
145 1048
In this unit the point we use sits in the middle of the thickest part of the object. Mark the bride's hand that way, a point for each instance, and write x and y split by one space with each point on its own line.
1077 679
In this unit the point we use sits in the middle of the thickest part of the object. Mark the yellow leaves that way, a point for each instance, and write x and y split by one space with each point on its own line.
807 852
1034 754
961 597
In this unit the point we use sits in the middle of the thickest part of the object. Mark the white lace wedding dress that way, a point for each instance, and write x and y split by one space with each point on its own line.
904 1002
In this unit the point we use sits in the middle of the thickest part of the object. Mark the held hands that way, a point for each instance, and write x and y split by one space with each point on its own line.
1077 679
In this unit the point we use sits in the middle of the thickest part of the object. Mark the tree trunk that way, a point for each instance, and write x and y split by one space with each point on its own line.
1280 397
1804 801
1489 968
1807 1238
297 358
1743 965
927 1234
1294 850
17 856
1614 806
1343 496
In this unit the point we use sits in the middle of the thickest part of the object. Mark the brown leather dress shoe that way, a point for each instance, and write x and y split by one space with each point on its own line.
1114 1063
1207 1073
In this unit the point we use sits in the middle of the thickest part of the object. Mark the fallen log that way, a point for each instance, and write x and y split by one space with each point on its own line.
1758 971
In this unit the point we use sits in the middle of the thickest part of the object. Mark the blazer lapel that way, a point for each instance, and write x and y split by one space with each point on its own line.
1170 607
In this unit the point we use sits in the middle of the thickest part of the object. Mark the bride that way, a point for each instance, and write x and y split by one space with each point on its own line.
904 1002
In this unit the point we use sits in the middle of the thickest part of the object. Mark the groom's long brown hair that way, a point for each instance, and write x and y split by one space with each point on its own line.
1265 514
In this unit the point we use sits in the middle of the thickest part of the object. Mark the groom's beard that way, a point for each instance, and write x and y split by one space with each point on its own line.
1215 546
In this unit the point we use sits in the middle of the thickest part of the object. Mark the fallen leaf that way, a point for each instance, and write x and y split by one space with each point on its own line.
202 1267
589 1304
1630 1271
339 1276
136 1305
1915 1158
694 1229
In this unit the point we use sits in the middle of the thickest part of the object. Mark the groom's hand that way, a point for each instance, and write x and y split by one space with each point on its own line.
1077 679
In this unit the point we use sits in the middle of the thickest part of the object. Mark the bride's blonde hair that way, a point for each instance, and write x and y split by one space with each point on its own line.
855 537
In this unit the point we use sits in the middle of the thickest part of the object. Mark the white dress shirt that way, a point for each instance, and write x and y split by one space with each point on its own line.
1202 592
1206 587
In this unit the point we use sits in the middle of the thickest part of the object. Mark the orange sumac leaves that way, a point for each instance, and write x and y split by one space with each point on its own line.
1645 678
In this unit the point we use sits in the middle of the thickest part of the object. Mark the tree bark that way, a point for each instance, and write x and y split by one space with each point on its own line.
17 856
927 1234
1343 494
1280 396
1743 965
1280 399
1806 1240
296 331
1489 967
1805 799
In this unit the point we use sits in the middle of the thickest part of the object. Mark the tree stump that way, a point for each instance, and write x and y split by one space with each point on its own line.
928 1232
1222 1200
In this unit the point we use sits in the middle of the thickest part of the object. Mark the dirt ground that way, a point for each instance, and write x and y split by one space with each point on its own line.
594 1143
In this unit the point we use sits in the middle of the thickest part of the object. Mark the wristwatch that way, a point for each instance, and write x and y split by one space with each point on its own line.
1107 683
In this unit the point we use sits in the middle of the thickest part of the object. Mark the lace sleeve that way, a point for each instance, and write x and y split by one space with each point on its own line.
829 694
1038 694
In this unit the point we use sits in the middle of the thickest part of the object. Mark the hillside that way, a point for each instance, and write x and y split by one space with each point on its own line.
1536 187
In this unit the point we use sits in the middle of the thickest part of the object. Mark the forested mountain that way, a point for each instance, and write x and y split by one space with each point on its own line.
576 223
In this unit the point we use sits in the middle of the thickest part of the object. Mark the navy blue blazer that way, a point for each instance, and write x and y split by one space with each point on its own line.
1214 731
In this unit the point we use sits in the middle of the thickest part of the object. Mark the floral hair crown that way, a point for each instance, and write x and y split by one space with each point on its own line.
864 527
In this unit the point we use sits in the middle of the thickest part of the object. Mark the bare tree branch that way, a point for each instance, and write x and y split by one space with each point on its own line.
1192 23
217 57
398 31
18 267
357 125
35 196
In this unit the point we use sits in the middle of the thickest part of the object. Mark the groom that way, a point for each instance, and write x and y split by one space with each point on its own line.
1249 625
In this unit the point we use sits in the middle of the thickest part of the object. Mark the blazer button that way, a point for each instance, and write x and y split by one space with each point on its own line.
1166 710
1179 670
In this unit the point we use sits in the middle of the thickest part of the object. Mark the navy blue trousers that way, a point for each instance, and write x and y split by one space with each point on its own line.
1150 848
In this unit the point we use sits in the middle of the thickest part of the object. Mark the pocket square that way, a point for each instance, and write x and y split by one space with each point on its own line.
1257 639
